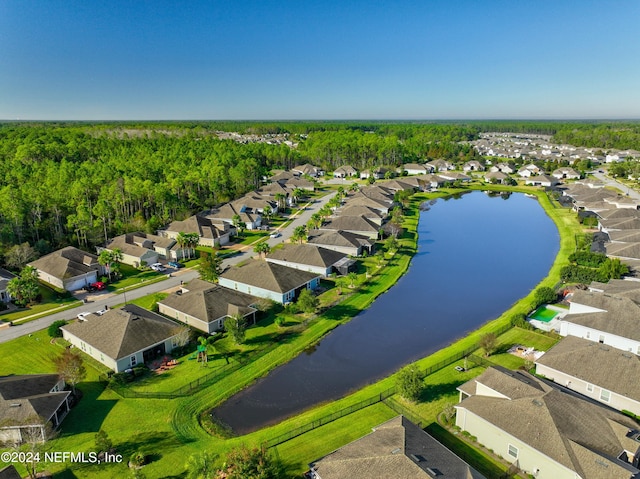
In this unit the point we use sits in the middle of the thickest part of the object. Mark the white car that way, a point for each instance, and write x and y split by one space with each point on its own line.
158 267
274 235
83 316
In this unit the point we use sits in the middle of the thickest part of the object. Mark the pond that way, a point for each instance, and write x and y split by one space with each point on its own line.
477 255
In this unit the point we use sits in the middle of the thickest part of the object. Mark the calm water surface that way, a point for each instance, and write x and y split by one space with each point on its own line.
477 255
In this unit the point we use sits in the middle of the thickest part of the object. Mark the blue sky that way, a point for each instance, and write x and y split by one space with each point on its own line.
132 60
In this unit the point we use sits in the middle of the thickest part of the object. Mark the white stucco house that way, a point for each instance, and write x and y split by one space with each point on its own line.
69 268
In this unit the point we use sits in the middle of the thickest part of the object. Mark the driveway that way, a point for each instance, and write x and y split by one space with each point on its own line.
98 301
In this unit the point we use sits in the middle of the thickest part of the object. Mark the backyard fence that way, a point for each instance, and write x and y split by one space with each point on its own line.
381 397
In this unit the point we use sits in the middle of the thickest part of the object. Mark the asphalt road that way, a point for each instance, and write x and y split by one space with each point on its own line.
611 182
98 301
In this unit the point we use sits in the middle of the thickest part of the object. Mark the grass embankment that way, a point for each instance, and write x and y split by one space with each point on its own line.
176 432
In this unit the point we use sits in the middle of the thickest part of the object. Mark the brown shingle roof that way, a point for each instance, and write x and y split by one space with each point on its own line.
122 332
25 396
338 238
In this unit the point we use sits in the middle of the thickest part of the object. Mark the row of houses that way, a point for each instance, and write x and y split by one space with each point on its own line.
540 147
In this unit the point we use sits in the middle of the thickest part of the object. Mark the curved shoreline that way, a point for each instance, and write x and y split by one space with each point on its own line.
471 339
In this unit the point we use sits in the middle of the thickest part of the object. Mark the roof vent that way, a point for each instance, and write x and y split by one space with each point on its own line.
396 450
537 403
16 404
417 457
433 472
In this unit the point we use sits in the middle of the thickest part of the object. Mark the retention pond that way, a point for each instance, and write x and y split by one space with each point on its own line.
477 255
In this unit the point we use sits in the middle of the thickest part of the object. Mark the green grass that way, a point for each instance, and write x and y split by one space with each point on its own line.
50 301
132 277
171 430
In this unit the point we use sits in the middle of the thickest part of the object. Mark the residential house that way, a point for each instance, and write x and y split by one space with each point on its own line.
440 165
496 177
206 306
624 236
608 319
377 173
618 224
123 338
346 171
353 224
454 176
228 212
308 169
69 268
282 177
397 185
5 277
300 183
545 431
307 257
269 280
473 165
371 214
141 248
416 169
433 181
594 370
620 201
26 400
360 199
212 232
395 449
541 180
623 251
565 173
503 168
342 241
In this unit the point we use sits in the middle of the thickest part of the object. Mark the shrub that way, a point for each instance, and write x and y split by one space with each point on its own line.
409 382
54 330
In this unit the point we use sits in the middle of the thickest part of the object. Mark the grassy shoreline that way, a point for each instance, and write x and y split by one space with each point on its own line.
176 424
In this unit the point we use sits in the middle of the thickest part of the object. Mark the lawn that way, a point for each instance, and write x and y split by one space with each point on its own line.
50 301
170 429
132 277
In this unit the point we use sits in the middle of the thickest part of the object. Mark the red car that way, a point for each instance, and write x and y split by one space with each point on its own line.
97 286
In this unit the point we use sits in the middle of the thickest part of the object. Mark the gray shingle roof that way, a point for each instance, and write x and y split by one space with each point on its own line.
351 223
307 254
205 227
576 433
67 263
388 453
269 276
25 396
122 332
597 364
209 302
338 238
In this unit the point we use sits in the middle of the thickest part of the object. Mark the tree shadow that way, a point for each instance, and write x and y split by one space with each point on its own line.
90 412
433 392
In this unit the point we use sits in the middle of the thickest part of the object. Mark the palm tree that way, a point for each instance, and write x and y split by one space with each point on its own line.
299 234
263 249
353 277
267 212
237 222
193 239
341 283
116 256
297 194
181 239
280 197
355 187
316 220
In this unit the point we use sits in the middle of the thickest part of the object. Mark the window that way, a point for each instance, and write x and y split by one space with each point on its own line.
605 395
588 335
513 451
590 387
133 360
601 339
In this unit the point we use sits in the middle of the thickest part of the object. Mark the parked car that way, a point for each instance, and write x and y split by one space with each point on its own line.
83 316
175 264
158 267
275 235
99 286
